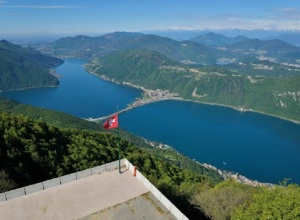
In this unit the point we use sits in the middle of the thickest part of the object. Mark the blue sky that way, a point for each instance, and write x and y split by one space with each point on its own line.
103 16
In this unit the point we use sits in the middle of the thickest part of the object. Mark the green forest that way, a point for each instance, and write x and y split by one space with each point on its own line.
33 151
25 67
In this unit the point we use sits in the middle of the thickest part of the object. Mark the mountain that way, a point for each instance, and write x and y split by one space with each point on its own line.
213 40
273 50
206 49
25 67
87 47
270 46
254 67
151 70
291 38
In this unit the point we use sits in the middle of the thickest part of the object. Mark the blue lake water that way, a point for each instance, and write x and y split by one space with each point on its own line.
258 146
79 93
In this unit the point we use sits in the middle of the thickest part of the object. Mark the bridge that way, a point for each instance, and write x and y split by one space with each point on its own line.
136 104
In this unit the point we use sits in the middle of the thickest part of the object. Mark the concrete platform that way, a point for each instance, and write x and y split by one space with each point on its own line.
77 199
145 206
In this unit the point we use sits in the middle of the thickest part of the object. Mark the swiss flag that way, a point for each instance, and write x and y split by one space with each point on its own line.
112 122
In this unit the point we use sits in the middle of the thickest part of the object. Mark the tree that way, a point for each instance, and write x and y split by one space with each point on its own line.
219 202
6 183
277 202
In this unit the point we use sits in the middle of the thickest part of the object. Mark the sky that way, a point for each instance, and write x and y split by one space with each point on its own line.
71 17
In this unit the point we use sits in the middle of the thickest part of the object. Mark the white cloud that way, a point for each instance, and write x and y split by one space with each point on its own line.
282 19
288 13
38 6
232 23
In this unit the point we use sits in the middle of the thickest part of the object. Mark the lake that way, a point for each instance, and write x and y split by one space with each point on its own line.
261 147
79 93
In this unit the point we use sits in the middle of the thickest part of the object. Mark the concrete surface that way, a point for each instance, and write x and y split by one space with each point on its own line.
76 199
145 206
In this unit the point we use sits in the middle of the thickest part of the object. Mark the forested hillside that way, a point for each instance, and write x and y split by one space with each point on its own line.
32 151
25 67
277 96
51 117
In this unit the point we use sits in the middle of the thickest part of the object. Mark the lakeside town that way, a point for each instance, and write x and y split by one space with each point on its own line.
150 96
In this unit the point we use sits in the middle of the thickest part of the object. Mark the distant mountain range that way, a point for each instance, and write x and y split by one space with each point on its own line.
243 48
289 36
87 47
25 67
206 49
212 39
152 70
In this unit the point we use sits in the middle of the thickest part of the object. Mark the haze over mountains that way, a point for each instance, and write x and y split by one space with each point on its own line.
291 37
212 39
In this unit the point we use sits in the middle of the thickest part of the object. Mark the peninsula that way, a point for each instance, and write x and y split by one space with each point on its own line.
152 71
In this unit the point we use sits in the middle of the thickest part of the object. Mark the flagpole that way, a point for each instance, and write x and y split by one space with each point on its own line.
119 150
111 123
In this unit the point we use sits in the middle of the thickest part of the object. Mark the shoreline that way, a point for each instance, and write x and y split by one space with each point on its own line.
243 110
223 173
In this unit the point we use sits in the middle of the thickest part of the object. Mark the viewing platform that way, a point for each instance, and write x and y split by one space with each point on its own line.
98 193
